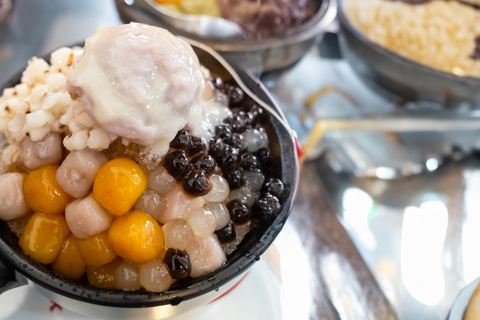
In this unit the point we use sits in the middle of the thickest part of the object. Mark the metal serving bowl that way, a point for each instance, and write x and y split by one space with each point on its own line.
250 54
390 73
459 307
19 268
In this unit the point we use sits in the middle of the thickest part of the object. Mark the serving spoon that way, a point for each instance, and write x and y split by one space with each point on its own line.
201 25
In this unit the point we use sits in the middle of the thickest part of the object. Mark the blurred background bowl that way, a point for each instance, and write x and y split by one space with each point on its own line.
397 77
250 54
6 11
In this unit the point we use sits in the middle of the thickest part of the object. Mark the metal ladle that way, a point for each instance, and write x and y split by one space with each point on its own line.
201 25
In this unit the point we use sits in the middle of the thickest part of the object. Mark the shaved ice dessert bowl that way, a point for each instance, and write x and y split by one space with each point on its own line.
240 93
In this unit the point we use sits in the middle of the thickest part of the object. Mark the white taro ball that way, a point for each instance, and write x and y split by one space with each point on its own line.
85 217
220 211
206 256
179 204
43 152
154 276
127 276
219 191
160 181
152 203
78 170
177 234
254 180
12 202
244 195
202 222
255 139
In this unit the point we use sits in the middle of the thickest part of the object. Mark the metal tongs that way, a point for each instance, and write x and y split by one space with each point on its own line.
390 123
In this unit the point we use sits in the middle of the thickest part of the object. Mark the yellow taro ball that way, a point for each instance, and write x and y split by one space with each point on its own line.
104 275
43 237
69 262
118 185
96 250
136 237
42 192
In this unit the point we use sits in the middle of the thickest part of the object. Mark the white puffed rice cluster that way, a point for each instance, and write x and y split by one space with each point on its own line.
39 105
83 132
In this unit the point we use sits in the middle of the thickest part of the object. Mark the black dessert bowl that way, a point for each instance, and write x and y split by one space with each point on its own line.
19 269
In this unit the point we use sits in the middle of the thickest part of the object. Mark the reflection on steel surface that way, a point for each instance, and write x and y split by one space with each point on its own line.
432 164
336 273
296 275
426 230
421 257
344 287
357 206
471 226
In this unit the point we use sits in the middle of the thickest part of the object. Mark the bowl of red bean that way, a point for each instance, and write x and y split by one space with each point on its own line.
106 227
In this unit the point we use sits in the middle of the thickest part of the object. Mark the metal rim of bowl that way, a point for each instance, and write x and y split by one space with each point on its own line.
39 274
459 307
345 22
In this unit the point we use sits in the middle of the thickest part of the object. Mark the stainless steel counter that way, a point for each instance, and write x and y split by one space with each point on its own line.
418 235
